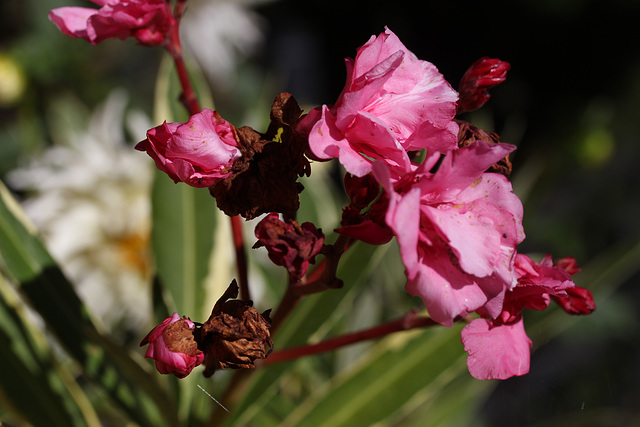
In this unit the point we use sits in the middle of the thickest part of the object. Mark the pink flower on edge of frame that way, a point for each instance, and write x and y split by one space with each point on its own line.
173 347
499 347
457 229
392 103
198 153
149 21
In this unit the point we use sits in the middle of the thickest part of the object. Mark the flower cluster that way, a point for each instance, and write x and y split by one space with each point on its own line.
454 215
437 184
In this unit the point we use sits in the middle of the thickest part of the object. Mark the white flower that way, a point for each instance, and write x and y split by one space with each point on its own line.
90 199
218 33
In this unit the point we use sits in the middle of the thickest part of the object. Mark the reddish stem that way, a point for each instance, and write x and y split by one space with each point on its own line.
174 47
408 321
322 277
241 257
190 101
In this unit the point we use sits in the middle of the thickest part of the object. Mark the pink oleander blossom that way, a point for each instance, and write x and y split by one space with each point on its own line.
173 347
149 21
392 103
199 152
498 346
457 230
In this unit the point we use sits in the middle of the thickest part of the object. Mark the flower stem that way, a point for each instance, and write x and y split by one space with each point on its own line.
408 321
190 100
241 257
322 278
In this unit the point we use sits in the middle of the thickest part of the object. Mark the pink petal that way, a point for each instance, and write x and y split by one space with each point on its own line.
471 232
461 168
72 21
445 290
496 352
433 138
364 89
326 141
372 138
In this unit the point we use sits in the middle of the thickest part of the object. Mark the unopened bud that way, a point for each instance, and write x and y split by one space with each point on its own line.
483 74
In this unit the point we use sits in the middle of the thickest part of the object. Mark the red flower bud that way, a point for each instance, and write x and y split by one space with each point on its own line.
483 74
578 301
173 347
569 265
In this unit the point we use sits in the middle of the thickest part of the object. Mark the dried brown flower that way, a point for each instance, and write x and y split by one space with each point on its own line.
265 178
235 335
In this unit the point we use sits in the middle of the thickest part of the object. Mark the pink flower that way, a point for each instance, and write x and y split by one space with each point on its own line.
457 229
392 103
199 153
149 21
173 347
498 346
483 74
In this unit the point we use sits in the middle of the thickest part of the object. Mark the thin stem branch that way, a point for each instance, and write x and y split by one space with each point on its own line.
241 257
408 321
323 277
190 100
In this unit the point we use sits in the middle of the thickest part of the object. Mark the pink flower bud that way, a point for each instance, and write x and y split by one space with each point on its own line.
199 153
483 74
173 346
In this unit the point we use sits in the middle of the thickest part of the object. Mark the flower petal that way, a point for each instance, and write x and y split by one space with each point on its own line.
496 351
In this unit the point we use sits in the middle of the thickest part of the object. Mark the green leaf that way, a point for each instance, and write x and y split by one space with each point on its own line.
184 219
51 295
398 368
29 377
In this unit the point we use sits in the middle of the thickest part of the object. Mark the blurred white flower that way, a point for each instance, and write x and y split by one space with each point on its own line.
90 199
220 33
